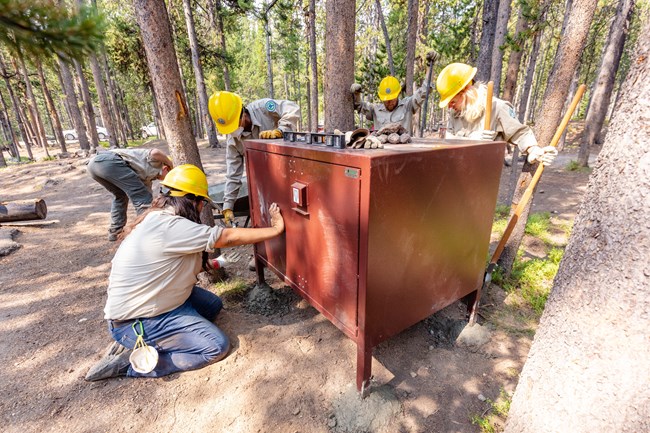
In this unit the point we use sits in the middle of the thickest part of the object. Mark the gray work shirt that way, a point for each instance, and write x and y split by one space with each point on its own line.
266 114
402 114
504 121
140 161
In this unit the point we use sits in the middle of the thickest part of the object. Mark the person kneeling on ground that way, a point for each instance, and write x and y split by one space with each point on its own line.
466 101
152 282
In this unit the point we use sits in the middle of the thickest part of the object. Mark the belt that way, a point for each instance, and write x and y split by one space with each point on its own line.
120 323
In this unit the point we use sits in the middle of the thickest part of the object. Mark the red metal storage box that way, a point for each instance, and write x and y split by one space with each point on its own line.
376 240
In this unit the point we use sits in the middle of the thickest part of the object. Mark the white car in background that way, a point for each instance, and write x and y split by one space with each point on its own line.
71 134
149 131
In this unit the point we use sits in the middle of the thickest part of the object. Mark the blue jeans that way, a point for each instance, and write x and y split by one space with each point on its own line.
185 338
110 170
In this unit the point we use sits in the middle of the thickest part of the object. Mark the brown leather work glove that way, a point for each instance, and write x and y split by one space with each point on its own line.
272 133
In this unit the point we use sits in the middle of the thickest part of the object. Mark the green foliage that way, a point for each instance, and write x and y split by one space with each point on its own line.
497 411
500 219
538 224
40 28
231 289
451 29
574 166
533 278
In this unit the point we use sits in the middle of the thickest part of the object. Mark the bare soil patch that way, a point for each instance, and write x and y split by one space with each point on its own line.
289 370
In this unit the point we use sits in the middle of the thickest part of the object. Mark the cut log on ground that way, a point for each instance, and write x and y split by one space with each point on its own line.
23 210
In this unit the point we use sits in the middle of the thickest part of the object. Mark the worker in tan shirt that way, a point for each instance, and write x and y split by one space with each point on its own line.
151 288
466 102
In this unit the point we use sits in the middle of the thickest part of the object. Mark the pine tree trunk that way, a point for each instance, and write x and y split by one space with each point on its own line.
88 111
313 64
156 33
32 106
269 65
73 105
112 93
514 61
104 107
566 61
12 136
588 366
216 21
601 94
501 30
124 112
384 29
339 64
538 79
412 33
14 103
484 63
198 75
58 130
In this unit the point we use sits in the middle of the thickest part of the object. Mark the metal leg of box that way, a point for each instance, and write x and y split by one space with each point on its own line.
364 364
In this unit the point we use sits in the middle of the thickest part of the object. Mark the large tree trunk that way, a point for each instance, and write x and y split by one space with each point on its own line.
384 29
313 64
156 33
32 105
557 88
605 82
499 39
14 103
587 369
73 105
198 75
411 39
484 63
88 111
58 130
339 64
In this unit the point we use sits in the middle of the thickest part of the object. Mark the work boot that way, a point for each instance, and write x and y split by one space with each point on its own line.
113 234
115 363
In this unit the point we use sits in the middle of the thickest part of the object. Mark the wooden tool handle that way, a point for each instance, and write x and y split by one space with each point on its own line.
538 174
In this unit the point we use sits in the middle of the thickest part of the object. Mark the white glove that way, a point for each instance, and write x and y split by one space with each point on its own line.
484 134
355 88
544 155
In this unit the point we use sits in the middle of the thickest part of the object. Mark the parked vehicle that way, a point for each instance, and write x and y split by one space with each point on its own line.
149 131
71 134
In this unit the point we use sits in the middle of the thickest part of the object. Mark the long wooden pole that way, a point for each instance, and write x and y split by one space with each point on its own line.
538 174
488 105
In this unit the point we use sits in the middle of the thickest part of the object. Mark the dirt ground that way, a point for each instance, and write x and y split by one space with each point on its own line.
289 370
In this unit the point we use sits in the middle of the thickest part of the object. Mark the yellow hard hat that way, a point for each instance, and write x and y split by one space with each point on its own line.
452 79
187 179
389 89
225 109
